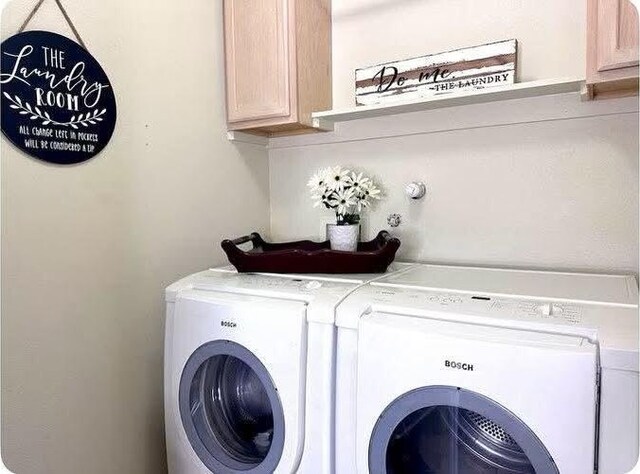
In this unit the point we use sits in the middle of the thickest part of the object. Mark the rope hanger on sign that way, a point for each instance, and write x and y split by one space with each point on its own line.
64 13
58 104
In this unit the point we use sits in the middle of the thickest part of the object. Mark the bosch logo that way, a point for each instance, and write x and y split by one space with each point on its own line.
458 365
228 324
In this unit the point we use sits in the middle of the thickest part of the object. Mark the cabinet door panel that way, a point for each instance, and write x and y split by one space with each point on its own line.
617 35
257 56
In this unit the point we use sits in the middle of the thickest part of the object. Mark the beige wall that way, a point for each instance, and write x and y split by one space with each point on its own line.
88 249
559 194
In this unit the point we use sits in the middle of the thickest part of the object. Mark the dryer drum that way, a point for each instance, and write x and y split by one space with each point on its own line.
230 410
446 438
485 439
441 429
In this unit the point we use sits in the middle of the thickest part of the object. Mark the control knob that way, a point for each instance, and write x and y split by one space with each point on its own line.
549 309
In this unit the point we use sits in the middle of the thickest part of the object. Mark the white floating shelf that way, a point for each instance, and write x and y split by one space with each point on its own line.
516 91
522 103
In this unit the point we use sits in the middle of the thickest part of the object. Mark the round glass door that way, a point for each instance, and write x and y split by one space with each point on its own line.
446 430
230 410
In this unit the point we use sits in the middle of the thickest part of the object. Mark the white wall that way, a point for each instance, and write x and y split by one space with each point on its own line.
551 34
88 249
560 194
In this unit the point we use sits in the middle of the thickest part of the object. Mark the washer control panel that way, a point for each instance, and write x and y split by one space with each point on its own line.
313 285
270 286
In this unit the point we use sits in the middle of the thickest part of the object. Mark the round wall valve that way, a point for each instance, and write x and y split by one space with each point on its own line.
416 190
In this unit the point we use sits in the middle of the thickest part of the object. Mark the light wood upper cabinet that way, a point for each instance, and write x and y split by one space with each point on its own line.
612 42
278 63
257 56
618 28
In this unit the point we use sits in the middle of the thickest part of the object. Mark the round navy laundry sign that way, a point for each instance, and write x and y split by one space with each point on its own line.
57 102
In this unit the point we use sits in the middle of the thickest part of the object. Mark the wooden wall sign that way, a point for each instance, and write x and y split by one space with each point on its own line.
478 67
57 102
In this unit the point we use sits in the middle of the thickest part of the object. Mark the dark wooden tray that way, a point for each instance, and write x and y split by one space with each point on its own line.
306 256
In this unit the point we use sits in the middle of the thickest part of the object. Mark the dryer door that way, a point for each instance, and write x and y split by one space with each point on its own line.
452 430
231 410
455 397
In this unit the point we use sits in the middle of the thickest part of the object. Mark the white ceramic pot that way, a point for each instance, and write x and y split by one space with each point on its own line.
343 237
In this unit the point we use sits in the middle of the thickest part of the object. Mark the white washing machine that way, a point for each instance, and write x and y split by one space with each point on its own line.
249 366
469 370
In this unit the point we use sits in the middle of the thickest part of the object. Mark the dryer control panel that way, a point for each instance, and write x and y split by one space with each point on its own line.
571 313
486 305
271 286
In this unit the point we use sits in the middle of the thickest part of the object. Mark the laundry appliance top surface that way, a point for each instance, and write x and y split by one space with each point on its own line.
558 286
322 293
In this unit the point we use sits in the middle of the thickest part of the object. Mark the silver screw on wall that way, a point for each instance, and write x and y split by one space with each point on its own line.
415 190
394 220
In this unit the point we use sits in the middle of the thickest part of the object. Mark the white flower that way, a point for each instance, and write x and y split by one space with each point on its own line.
325 198
363 203
371 191
319 180
344 199
338 178
359 181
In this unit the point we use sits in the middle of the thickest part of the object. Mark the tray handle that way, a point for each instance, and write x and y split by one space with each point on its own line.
384 236
232 245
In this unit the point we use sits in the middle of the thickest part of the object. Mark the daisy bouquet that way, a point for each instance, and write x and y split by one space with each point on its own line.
345 192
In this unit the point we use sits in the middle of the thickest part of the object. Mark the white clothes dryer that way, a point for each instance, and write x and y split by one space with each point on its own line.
469 370
249 367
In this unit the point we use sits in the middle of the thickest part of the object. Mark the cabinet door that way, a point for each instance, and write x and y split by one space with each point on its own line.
617 34
257 46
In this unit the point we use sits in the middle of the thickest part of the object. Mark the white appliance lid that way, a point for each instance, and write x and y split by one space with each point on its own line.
588 288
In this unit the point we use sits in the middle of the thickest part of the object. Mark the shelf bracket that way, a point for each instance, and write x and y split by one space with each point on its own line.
242 137
586 92
322 124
